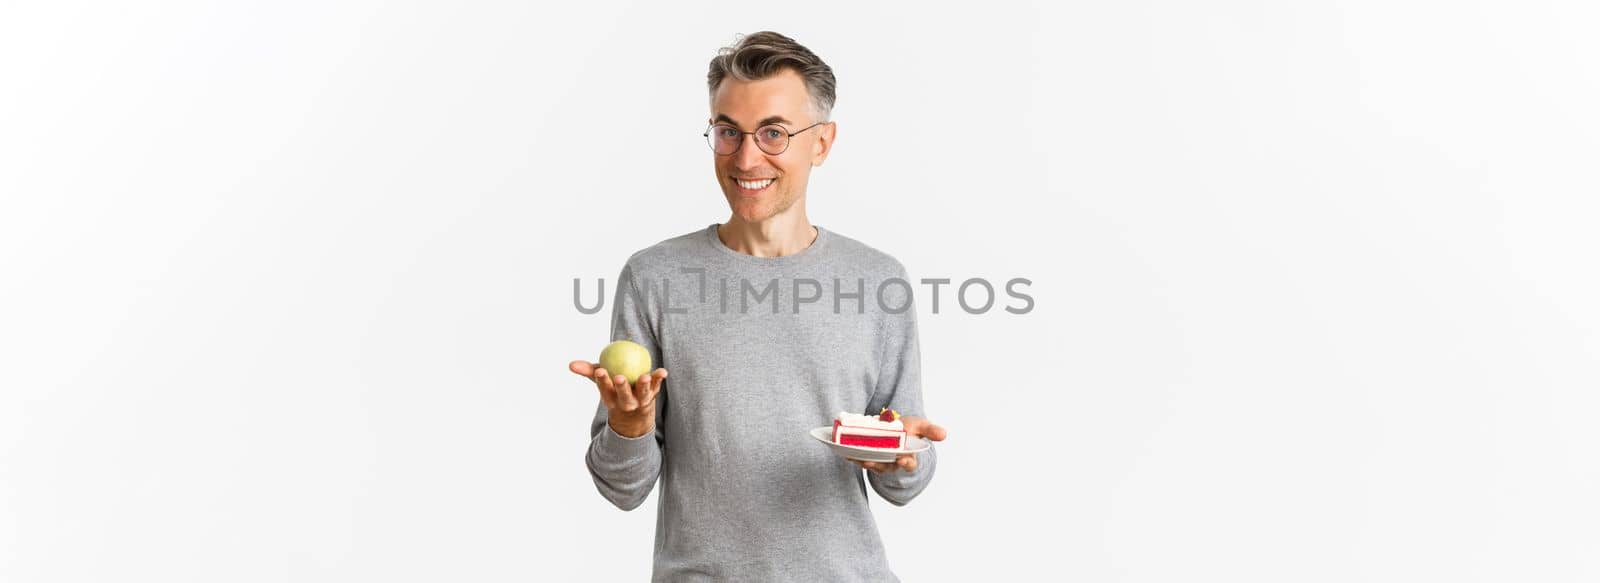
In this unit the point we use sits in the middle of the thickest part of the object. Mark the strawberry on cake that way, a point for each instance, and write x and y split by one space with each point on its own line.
883 431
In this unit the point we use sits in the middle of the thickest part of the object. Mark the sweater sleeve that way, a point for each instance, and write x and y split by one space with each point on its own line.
900 388
625 469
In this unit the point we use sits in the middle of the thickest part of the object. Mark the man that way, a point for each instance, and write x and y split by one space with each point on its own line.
746 495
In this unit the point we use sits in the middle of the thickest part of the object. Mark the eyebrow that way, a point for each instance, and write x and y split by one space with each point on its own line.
771 119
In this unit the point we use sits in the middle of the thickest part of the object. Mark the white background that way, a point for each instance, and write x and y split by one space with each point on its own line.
286 288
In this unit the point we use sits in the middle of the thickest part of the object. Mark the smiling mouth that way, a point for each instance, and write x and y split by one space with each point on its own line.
754 185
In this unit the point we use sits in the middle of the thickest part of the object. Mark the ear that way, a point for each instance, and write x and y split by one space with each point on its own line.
824 142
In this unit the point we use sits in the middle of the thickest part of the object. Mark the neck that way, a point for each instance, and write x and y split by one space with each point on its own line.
781 234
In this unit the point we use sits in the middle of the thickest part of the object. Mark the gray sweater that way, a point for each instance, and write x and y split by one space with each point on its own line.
759 351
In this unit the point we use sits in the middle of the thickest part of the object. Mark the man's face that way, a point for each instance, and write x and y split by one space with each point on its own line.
747 105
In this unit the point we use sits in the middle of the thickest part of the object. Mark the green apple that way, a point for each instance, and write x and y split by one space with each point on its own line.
625 358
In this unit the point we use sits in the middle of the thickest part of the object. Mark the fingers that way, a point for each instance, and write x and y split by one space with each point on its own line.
648 386
614 391
641 388
907 463
904 463
922 427
608 393
625 399
874 467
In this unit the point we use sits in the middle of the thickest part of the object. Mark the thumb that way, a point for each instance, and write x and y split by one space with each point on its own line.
582 368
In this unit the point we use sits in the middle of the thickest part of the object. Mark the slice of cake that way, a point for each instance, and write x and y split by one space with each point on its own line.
883 430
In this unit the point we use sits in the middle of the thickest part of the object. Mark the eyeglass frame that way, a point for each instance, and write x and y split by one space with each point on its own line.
786 139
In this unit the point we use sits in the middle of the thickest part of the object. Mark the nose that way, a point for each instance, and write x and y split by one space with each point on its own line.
749 155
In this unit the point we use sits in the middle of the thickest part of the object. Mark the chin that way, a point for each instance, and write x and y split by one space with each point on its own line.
742 205
751 215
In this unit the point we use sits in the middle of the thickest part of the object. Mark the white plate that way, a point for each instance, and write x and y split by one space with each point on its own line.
868 454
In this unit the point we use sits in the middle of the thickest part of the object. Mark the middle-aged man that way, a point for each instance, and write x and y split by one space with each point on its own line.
771 325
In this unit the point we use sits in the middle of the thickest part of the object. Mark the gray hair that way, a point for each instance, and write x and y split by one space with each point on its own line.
763 54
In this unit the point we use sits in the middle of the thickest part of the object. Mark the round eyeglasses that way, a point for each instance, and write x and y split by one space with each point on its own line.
773 139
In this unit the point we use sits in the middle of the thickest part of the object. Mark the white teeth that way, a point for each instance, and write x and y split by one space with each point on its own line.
757 185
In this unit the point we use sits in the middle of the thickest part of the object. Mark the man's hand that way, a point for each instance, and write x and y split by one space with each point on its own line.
915 427
632 406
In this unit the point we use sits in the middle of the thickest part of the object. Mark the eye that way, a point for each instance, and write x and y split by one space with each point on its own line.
774 133
727 132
